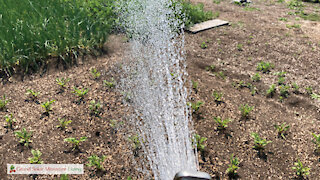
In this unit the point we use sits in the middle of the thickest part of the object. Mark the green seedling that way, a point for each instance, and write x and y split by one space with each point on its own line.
240 47
3 102
80 92
63 123
239 84
62 82
316 141
10 120
95 74
245 110
283 19
221 75
233 166
198 141
265 67
271 91
290 26
217 96
32 94
36 157
256 77
281 129
281 80
211 68
75 142
136 144
96 162
295 88
309 90
259 143
284 91
222 124
195 106
300 169
95 108
203 45
47 106
315 96
24 137
195 86
109 84
64 177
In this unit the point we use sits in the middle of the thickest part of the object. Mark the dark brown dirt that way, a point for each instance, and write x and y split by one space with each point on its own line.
263 38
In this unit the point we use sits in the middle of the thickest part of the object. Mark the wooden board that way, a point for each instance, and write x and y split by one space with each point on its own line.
207 25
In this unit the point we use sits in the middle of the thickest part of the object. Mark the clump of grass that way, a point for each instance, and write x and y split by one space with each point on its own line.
309 90
240 47
211 68
281 129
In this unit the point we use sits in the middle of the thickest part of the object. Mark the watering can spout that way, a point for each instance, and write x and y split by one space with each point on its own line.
192 175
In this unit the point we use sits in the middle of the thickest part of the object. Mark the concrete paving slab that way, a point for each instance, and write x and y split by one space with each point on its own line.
207 25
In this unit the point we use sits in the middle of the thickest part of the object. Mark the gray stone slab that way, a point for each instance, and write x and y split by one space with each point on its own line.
207 25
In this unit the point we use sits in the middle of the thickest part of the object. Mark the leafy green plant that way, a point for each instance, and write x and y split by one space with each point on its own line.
283 19
96 161
10 120
95 107
300 169
281 129
75 142
24 137
290 26
64 177
3 103
95 74
198 142
271 91
295 4
265 67
221 75
195 85
309 90
195 105
295 88
316 141
36 157
256 77
245 110
222 124
217 96
80 92
62 82
211 68
203 45
284 91
47 106
281 80
259 143
233 166
240 47
109 84
136 144
32 94
63 123
315 96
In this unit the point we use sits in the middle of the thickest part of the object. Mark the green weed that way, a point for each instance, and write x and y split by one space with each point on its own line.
194 86
290 26
295 88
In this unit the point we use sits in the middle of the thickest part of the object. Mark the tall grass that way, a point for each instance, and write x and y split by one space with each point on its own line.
32 31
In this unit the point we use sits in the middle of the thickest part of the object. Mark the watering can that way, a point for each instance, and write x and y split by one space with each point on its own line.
192 175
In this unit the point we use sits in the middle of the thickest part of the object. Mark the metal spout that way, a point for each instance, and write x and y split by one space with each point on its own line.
192 175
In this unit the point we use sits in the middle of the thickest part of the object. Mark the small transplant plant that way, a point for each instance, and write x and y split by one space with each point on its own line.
217 96
136 144
271 91
259 143
3 102
316 141
240 47
75 142
95 108
256 77
32 94
265 67
95 74
195 105
63 123
211 68
47 106
80 92
295 88
36 157
233 166
222 124
109 84
283 91
10 120
315 96
309 90
199 142
195 85
281 129
62 82
301 170
24 137
203 45
96 161
64 177
245 110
